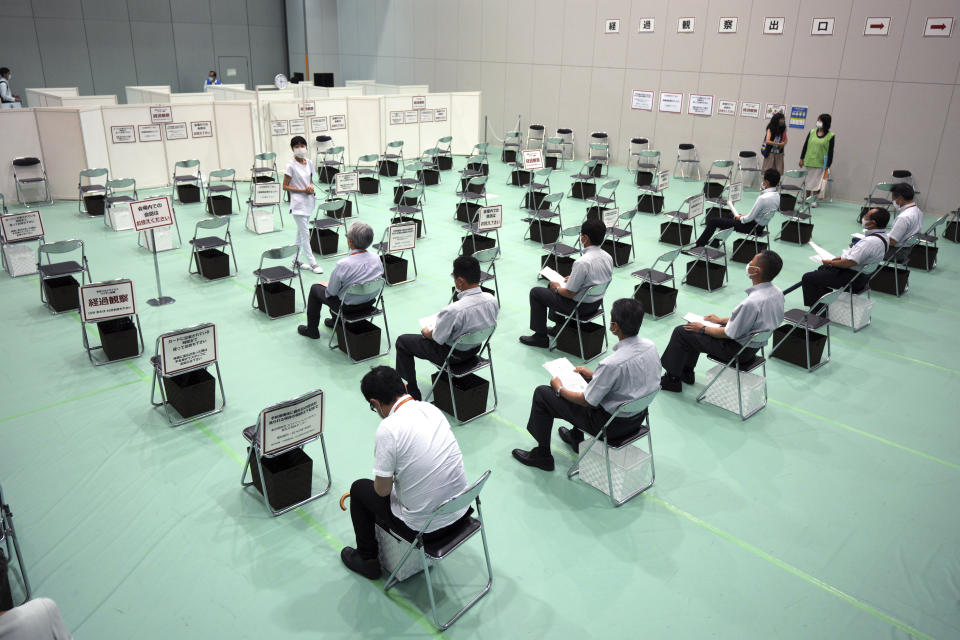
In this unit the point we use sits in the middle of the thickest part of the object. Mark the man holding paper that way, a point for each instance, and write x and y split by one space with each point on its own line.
767 202
586 399
722 338
474 309
593 267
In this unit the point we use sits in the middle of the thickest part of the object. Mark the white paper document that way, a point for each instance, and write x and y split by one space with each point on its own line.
822 254
692 317
430 322
552 275
563 369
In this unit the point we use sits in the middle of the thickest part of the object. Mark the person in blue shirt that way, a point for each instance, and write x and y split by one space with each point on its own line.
211 79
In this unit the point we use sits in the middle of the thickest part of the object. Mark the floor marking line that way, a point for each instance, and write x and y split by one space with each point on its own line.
68 400
896 355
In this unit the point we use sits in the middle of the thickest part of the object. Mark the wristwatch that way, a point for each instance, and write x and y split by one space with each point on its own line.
703 330
559 389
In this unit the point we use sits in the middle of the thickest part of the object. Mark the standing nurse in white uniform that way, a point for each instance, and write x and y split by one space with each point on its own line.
298 180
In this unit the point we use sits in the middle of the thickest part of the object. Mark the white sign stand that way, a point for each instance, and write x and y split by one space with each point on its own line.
148 215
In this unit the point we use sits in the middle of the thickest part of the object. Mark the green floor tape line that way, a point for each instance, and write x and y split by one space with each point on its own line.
69 400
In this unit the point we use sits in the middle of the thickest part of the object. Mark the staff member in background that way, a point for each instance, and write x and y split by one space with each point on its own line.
211 79
909 217
6 96
298 180
358 267
474 309
817 154
767 202
775 143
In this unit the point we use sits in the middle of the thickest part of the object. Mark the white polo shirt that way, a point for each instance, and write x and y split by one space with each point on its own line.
38 619
415 446
907 224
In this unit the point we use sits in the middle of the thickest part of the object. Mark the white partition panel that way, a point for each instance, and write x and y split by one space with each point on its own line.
61 139
409 132
364 127
431 129
236 126
39 97
18 130
94 138
144 161
144 93
465 121
342 92
190 98
412 89
85 101
282 122
199 121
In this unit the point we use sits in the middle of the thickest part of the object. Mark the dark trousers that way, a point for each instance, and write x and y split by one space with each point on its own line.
319 297
546 407
685 348
414 345
367 509
543 299
820 282
723 223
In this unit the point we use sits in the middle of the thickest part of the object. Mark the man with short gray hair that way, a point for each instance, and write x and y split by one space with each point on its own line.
358 267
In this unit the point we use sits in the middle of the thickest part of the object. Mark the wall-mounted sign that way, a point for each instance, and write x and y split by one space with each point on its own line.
876 27
307 109
297 126
201 129
396 117
419 102
611 26
646 25
107 300
642 100
123 133
727 107
411 117
278 127
440 114
750 109
161 114
822 26
938 28
798 117
774 108
700 105
338 122
318 125
175 131
773 26
727 25
427 115
686 25
671 102
149 133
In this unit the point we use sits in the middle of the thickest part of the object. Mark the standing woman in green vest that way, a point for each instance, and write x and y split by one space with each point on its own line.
817 154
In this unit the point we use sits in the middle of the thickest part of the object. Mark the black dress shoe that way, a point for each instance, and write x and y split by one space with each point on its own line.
367 568
328 323
688 377
535 340
304 330
533 459
669 383
572 437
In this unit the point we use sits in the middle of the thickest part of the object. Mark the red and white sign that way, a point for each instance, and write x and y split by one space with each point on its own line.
307 109
160 114
532 159
151 213
20 227
876 27
700 105
671 102
938 28
750 109
419 102
184 350
107 300
201 129
490 218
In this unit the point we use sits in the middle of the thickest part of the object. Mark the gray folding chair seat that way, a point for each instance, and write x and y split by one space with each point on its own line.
655 277
62 268
742 366
561 249
716 250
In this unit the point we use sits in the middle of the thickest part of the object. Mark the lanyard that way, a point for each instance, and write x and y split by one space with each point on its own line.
401 403
353 253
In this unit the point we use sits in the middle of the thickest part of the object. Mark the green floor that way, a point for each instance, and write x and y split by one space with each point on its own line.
831 513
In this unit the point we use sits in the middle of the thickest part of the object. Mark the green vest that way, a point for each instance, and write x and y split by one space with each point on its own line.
817 149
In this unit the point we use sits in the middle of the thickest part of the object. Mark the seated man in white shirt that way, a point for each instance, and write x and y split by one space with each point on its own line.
38 619
417 467
474 309
631 372
909 221
358 267
767 202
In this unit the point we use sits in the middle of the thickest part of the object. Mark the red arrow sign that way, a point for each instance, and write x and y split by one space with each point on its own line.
938 26
876 26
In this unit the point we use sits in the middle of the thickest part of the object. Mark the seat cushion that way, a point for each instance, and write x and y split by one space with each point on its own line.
651 275
803 319
274 274
442 547
59 269
250 433
208 242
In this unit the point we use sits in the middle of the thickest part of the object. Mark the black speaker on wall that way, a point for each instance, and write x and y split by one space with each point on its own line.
323 79
296 78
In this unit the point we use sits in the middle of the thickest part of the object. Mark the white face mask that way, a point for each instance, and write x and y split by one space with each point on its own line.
747 269
819 125
300 152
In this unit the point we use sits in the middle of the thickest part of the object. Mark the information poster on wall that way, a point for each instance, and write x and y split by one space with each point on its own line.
774 108
338 122
123 134
750 109
278 127
532 159
419 102
266 193
161 114
292 425
318 125
347 182
441 114
700 105
671 102
798 117
426 115
175 131
402 237
149 133
396 117
107 300
201 129
151 213
727 107
490 218
297 127
307 109
188 350
642 100
19 227
411 117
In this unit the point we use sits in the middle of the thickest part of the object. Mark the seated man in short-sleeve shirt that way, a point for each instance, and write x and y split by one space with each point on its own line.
37 619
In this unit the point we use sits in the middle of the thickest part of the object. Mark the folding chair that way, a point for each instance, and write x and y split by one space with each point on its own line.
629 461
479 340
476 190
746 380
687 156
707 256
277 273
753 242
651 278
368 170
374 290
120 192
655 194
622 228
539 183
264 168
93 187
28 170
539 216
392 153
383 249
60 270
443 153
334 216
748 169
601 201
262 445
476 165
120 327
553 152
488 270
8 535
163 371
324 142
719 175
792 188
560 249
3 204
583 184
694 205
481 149
569 142
634 147
201 245
330 161
580 318
927 242
404 211
535 137
512 143
896 264
810 323
433 553
220 182
599 150
854 308
193 177
415 168
802 219
645 161
876 199
473 227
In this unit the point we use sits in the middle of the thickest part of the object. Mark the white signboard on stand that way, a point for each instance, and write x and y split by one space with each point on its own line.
266 193
736 191
611 217
107 300
532 159
696 206
490 218
20 227
347 182
663 180
291 425
151 213
188 350
402 237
